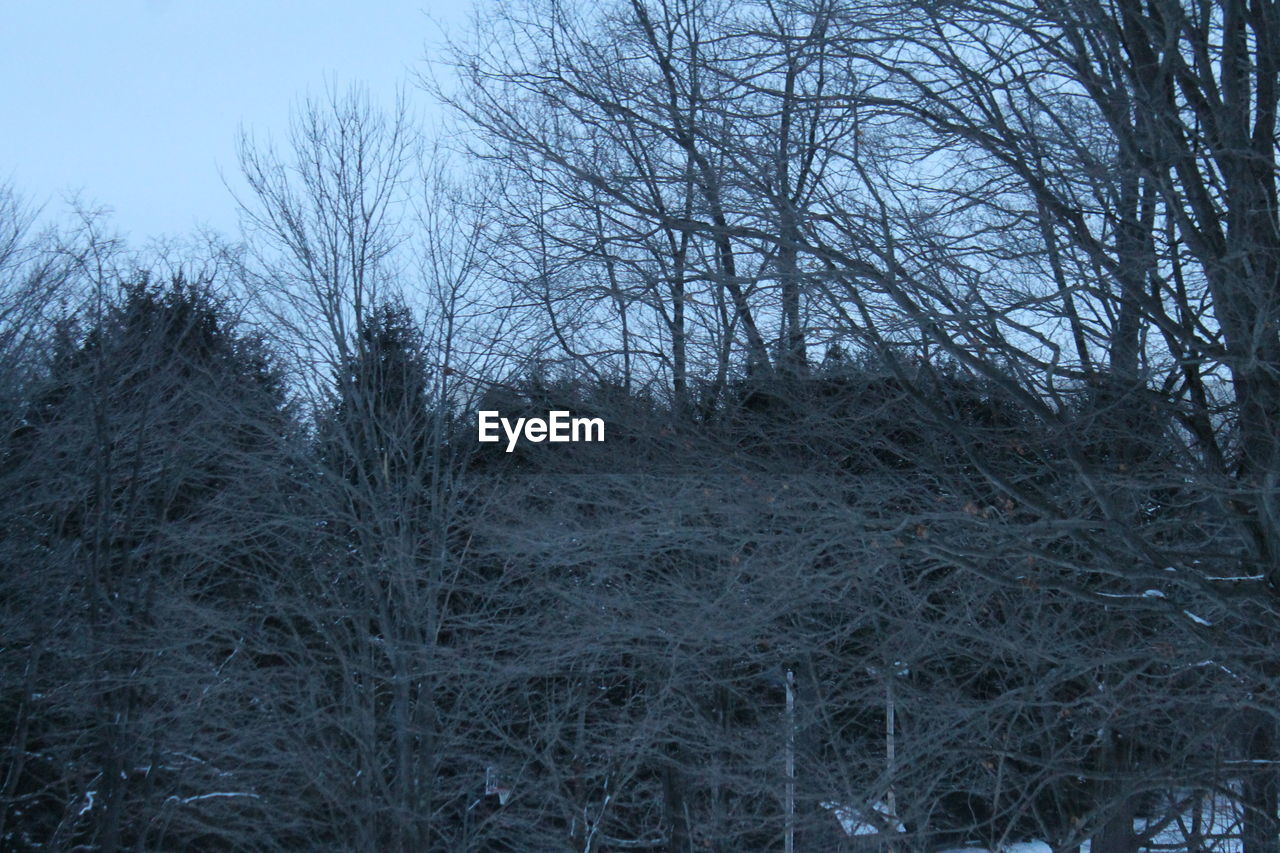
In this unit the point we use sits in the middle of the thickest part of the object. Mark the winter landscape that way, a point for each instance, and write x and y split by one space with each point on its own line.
673 426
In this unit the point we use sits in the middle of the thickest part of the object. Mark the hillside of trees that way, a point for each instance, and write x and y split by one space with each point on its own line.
938 351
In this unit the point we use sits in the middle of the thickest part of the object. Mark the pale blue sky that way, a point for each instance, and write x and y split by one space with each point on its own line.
137 103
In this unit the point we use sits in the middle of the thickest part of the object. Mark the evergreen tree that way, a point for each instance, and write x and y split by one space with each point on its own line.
144 493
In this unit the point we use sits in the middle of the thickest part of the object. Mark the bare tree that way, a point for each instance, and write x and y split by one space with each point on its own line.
970 211
326 217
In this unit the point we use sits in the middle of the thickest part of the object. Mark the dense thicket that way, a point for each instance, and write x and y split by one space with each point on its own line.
143 515
606 632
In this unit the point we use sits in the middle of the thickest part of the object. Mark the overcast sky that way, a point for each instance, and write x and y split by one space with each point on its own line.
137 103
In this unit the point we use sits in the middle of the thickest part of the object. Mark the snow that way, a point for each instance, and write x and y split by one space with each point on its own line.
1220 828
852 821
1199 620
1028 847
1033 846
186 800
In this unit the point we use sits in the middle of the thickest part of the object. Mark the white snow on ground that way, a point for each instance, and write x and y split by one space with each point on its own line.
1028 847
1219 830
1035 846
855 822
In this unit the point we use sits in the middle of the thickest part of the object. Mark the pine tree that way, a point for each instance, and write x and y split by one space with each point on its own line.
143 483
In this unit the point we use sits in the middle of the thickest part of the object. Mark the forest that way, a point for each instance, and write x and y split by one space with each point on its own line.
937 351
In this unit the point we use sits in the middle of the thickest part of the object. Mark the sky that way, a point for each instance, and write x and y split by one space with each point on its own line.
136 105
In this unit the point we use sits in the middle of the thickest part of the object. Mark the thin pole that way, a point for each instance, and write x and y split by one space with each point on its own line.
789 840
890 748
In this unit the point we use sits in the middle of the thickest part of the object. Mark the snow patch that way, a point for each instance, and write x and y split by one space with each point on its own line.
186 800
855 822
1028 847
1034 846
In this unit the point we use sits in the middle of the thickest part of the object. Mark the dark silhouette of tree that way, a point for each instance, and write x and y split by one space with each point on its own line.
143 502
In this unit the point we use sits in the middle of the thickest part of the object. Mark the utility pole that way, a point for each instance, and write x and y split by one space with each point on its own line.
890 746
789 839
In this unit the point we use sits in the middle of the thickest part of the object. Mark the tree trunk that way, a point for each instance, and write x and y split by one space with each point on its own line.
1116 834
1260 833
